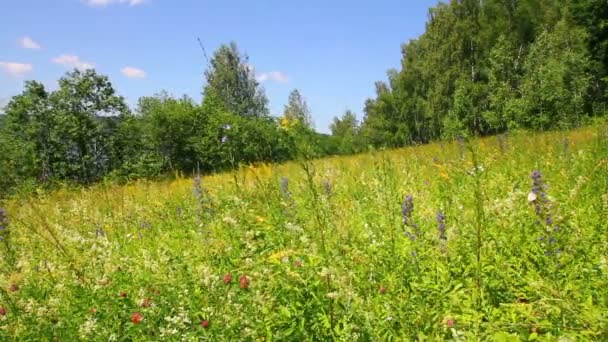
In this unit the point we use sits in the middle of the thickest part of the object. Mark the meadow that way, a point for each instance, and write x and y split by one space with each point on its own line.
502 238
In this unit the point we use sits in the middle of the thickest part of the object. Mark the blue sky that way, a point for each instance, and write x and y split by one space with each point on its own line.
332 51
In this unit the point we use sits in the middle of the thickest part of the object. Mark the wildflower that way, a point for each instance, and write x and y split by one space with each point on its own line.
244 282
136 318
205 324
3 311
542 208
407 208
103 282
99 232
93 310
224 139
298 263
382 290
227 278
123 294
327 187
3 224
285 187
3 219
13 287
226 127
450 323
145 303
441 225
332 295
197 188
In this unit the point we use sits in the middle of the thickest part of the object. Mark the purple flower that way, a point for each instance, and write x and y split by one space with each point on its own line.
197 188
441 225
327 187
407 208
285 187
3 219
543 210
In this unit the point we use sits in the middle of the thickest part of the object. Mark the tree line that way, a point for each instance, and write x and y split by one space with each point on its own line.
486 67
480 68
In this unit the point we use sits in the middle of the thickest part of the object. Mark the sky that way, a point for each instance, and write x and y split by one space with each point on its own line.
331 50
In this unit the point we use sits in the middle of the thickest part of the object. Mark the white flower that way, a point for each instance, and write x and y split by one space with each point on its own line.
531 196
332 295
87 328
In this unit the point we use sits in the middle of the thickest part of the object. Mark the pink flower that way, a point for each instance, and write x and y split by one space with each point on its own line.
243 282
136 318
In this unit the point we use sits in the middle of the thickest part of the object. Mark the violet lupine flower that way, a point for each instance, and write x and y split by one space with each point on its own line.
3 219
542 208
407 208
441 225
3 224
285 187
197 188
99 232
327 187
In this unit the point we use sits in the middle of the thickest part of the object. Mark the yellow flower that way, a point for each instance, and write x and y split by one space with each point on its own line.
285 122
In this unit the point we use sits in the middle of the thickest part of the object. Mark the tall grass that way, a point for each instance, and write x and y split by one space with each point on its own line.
315 250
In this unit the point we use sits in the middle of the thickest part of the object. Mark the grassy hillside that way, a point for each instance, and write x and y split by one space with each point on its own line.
329 249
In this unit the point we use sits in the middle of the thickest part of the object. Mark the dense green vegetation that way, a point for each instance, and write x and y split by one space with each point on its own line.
469 237
481 67
485 67
459 241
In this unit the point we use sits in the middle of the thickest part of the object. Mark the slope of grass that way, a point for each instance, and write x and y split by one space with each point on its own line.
326 250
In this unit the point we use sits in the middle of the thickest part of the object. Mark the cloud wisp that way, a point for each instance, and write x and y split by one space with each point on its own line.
102 3
16 69
275 76
132 72
72 61
29 43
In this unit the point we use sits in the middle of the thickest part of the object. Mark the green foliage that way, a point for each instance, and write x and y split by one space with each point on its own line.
345 133
484 67
296 110
555 85
316 250
231 78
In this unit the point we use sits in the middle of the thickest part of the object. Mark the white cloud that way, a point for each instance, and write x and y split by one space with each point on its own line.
72 61
275 76
100 3
16 69
132 72
29 43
